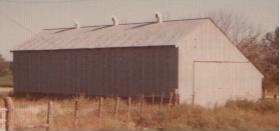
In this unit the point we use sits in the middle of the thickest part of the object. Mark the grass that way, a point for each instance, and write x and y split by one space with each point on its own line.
240 114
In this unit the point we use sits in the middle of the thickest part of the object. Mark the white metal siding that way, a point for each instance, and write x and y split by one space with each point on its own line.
215 83
208 43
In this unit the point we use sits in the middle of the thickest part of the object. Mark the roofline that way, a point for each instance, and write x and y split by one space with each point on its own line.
169 45
184 19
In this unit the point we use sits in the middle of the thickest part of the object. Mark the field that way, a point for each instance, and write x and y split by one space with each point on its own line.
234 115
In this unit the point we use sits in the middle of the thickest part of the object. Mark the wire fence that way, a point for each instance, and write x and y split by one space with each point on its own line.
82 113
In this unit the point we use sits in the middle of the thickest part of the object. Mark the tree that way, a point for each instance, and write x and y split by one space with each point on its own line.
4 66
236 27
264 55
271 39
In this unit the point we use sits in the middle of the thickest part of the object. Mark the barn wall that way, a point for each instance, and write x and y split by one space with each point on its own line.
208 43
217 82
102 72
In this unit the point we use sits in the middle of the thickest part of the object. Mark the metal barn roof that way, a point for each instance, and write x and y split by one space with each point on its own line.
122 35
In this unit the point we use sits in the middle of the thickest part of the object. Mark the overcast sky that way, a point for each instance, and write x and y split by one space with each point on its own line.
21 19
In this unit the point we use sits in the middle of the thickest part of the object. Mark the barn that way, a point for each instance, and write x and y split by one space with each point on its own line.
191 57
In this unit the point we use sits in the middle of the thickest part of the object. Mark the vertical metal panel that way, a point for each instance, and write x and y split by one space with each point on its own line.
100 72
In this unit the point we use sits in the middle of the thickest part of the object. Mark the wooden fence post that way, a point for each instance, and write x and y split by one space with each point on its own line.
50 116
161 98
193 97
263 93
100 107
275 96
176 95
3 112
9 105
129 107
142 104
176 98
153 98
116 110
76 113
170 99
100 110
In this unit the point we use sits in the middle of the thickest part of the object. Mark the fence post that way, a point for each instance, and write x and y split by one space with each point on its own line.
263 92
176 95
153 98
142 104
50 116
9 105
3 112
170 99
76 113
116 107
100 110
129 107
161 98
100 107
176 98
275 96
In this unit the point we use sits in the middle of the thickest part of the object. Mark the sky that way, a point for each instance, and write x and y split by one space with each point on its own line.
21 19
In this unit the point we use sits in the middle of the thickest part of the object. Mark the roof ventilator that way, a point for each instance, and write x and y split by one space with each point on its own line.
77 25
158 17
115 21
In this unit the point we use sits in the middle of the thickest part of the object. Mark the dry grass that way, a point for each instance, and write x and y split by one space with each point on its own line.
234 115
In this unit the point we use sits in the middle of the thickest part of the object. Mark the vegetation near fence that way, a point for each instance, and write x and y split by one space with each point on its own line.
117 113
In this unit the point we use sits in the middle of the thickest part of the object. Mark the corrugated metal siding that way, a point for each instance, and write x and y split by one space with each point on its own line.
108 71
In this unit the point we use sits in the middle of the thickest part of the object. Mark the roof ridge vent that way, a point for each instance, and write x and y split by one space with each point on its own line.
77 25
115 21
158 17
